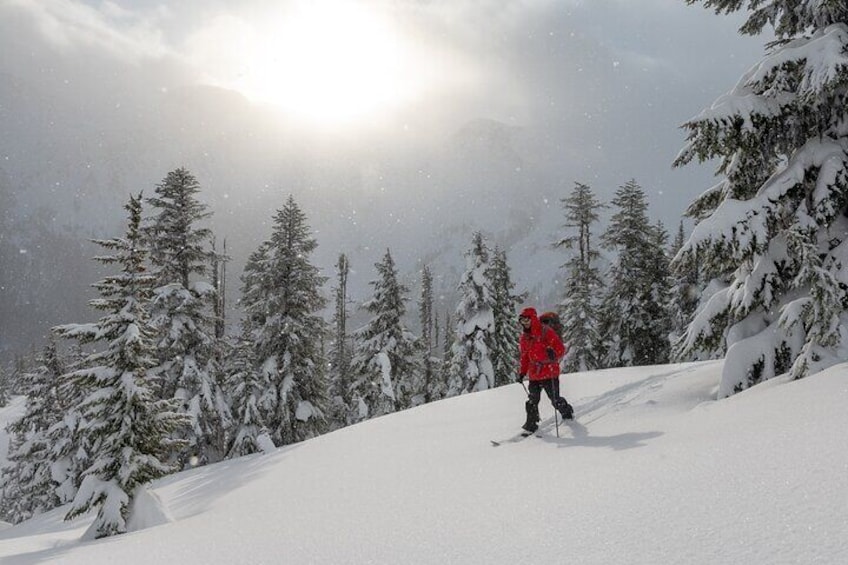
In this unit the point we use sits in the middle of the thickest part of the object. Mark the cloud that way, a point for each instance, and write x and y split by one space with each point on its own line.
70 26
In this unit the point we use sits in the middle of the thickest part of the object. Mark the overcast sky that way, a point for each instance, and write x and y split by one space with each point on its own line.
394 122
612 78
511 60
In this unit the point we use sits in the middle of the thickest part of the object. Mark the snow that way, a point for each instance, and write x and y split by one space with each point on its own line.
147 511
9 413
305 410
823 59
386 387
654 470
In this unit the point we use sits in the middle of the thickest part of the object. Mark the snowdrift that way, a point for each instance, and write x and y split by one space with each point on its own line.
653 470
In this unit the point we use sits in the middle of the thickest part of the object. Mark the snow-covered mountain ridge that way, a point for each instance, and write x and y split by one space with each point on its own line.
653 470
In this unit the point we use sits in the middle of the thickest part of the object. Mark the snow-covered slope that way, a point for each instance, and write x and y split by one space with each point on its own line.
653 471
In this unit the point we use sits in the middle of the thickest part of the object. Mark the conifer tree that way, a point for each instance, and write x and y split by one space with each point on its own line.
252 396
685 289
425 385
771 234
247 388
447 345
437 328
440 386
219 284
340 354
256 287
425 308
127 428
383 363
506 332
471 367
20 367
69 445
283 301
183 314
28 485
579 308
656 346
630 335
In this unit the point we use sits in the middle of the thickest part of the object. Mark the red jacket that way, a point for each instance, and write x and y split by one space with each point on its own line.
533 347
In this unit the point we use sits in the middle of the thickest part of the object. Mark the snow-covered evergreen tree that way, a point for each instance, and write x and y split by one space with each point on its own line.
283 300
685 290
183 314
385 349
127 428
252 396
440 386
504 349
248 390
256 283
630 335
425 386
656 346
471 367
69 445
340 353
579 308
771 235
219 285
437 328
19 368
28 486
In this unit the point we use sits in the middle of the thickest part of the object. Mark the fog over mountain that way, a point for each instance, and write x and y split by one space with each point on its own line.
520 100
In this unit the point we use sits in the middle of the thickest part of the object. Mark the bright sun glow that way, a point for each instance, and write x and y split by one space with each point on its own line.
328 62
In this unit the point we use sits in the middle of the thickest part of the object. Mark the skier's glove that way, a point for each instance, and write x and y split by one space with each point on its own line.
519 378
551 354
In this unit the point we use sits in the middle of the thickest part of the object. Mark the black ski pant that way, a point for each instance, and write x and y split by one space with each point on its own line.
551 388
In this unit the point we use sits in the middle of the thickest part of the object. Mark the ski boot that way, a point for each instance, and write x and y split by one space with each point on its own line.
532 422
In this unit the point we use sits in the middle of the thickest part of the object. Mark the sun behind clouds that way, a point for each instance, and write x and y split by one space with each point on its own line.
327 62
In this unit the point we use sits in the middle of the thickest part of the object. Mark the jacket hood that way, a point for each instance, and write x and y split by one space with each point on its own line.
529 313
535 324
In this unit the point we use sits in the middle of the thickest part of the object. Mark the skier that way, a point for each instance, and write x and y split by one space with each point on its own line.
540 349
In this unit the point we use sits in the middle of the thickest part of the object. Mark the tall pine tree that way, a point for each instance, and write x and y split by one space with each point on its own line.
340 353
252 396
579 308
127 428
685 289
285 301
507 332
384 361
425 382
471 367
629 332
183 314
657 344
28 485
248 390
771 233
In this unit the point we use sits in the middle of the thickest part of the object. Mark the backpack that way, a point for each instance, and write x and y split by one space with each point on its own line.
551 319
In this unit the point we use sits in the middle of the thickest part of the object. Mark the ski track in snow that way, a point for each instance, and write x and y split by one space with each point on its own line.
605 404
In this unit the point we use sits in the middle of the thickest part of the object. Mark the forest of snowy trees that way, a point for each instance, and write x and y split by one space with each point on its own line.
155 385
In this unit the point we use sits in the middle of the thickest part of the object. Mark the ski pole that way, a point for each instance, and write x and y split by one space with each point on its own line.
556 419
556 410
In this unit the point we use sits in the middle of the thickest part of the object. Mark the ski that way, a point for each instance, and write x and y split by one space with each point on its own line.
514 439
544 426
